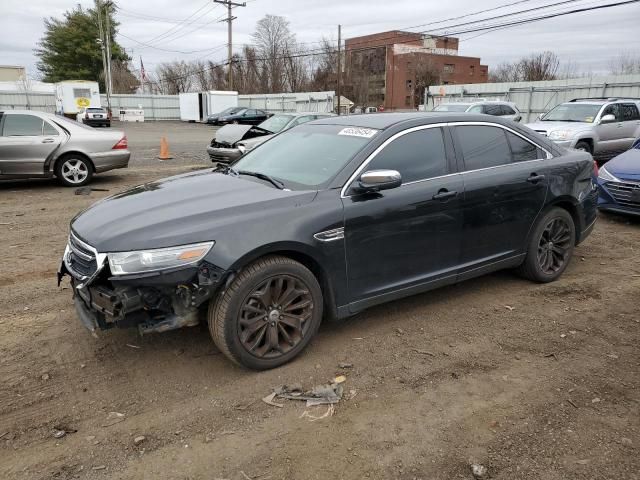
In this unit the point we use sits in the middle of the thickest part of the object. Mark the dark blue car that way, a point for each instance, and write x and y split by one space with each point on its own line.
619 182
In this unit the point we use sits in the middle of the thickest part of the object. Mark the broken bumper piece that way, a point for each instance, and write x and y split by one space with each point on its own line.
153 303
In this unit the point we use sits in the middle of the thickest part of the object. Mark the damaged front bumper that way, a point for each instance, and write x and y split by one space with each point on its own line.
152 302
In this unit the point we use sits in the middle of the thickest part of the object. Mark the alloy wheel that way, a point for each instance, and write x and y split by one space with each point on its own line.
75 171
554 245
275 316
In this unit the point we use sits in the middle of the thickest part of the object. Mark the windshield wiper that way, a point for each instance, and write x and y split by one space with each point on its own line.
261 176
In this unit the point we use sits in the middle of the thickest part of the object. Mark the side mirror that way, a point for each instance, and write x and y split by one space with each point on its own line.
376 180
539 117
608 118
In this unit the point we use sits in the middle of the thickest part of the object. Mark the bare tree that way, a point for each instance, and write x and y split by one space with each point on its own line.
624 63
323 67
538 66
122 79
272 39
426 75
176 77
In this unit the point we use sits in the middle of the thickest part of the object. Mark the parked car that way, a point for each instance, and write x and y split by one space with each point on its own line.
94 116
325 220
619 183
244 116
496 108
37 144
232 141
213 119
594 125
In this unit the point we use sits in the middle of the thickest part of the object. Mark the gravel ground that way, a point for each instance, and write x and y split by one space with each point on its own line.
532 381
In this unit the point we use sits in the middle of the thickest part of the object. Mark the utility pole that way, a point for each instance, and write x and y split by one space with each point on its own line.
108 39
339 65
230 18
102 48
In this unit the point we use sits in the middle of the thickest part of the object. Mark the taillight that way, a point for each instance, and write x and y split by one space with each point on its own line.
122 144
109 114
596 170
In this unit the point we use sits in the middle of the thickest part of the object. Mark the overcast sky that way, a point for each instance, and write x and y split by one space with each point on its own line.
587 40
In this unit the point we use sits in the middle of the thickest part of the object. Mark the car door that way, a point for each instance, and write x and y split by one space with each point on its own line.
610 135
26 141
408 236
630 123
505 188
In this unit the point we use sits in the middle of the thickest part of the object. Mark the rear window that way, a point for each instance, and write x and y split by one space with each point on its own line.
101 110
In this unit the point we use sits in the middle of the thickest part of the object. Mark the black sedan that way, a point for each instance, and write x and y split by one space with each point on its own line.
325 220
244 116
213 119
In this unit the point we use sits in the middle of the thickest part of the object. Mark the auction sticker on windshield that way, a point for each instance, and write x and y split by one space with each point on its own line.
358 132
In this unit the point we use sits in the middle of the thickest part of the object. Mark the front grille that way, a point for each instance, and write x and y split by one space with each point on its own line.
625 193
81 260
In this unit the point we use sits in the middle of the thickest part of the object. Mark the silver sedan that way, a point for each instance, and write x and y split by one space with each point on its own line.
38 144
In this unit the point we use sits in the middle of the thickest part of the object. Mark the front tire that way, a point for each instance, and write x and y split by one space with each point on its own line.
583 146
550 247
74 171
268 314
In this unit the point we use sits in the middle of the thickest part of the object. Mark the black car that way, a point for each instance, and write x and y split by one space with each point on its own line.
244 116
213 119
325 220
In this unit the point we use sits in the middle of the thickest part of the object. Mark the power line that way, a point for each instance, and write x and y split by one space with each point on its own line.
230 18
179 25
511 23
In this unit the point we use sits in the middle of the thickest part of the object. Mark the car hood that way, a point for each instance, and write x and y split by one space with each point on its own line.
626 165
179 210
234 132
551 126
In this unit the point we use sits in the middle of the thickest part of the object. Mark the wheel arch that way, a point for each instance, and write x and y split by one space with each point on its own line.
303 254
70 153
570 205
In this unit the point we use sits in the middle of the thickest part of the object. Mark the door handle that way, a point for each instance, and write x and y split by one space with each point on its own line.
535 178
48 140
444 194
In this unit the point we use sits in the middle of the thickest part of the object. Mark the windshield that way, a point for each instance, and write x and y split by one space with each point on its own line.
307 156
572 112
449 107
276 123
231 111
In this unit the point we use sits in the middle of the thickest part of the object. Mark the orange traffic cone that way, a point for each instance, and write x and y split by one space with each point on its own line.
164 150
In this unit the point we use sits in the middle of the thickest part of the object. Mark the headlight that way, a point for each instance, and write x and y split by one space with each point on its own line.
124 263
604 174
242 148
560 135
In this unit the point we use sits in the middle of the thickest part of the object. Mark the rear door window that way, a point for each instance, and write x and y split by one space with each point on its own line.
48 129
493 110
630 112
417 155
483 146
22 125
507 110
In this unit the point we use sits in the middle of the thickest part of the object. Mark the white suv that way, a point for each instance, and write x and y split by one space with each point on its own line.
595 125
495 108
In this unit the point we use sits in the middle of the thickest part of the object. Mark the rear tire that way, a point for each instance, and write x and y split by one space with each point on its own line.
268 314
74 171
550 247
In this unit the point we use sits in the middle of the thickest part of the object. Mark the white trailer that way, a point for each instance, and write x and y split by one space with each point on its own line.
75 95
196 107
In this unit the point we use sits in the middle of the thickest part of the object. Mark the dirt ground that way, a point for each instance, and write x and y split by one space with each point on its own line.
532 381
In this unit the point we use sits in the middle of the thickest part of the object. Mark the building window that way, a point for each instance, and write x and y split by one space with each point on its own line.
449 68
409 85
407 101
472 70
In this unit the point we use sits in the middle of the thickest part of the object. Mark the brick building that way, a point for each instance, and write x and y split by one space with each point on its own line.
391 69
